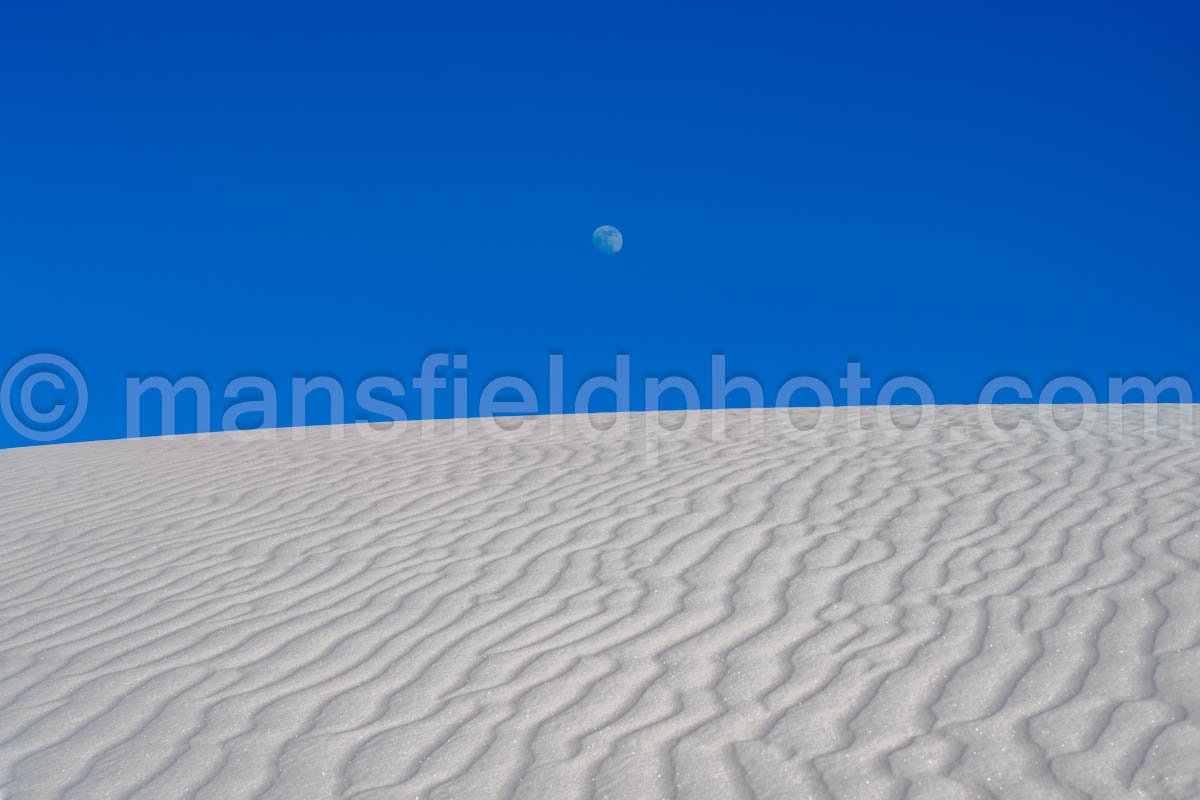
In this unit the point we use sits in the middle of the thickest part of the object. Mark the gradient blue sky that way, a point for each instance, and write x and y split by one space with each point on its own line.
302 189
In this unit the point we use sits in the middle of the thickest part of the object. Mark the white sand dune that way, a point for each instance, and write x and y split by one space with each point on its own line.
935 614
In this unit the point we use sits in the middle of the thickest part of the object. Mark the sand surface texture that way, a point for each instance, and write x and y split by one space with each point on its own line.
943 613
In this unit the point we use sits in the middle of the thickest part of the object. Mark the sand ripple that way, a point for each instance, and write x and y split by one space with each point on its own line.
938 614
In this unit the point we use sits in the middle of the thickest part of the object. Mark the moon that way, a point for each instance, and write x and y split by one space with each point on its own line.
607 240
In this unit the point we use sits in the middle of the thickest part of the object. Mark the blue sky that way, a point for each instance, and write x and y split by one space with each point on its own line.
301 189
